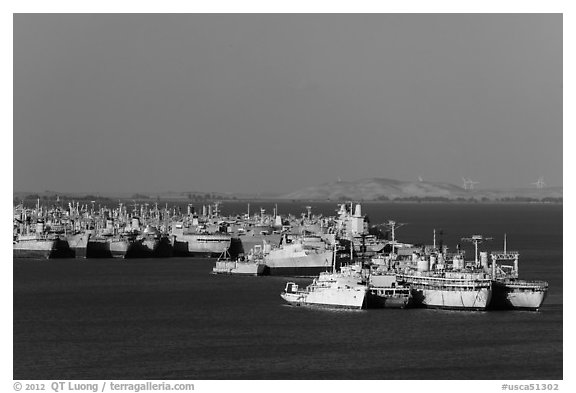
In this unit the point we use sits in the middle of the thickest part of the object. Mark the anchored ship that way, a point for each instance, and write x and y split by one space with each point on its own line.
450 290
39 244
510 292
331 293
305 256
443 281
439 280
345 289
190 243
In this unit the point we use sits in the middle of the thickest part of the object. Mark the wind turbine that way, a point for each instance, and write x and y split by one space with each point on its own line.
540 183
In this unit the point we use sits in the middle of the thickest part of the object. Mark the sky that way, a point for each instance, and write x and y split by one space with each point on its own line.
259 103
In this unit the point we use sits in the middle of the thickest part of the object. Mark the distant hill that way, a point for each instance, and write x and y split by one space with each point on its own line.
374 189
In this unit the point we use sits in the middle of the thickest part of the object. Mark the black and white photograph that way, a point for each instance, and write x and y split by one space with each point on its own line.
359 196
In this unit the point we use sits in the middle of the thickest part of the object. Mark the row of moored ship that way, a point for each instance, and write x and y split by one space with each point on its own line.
351 267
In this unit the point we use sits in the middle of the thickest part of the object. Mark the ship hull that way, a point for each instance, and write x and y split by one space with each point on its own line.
179 248
34 254
329 298
386 292
118 248
79 252
204 254
474 300
42 249
472 292
78 243
510 296
297 271
376 299
155 248
98 248
239 268
309 264
164 248
202 245
140 248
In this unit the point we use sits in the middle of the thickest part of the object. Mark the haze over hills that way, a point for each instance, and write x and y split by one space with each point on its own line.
389 189
371 189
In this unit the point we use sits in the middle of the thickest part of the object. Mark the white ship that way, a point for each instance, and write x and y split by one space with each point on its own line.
450 290
332 291
436 283
40 244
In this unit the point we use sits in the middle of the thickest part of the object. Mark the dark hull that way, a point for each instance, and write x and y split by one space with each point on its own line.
295 271
164 249
155 248
179 248
62 250
79 252
124 248
137 249
378 301
204 254
114 248
98 249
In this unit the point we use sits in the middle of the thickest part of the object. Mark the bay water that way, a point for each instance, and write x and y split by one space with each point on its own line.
172 319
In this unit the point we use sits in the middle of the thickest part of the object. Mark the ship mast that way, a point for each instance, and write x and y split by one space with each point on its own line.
393 225
334 259
476 239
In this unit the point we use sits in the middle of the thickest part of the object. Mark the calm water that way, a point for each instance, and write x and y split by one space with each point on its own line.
169 318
